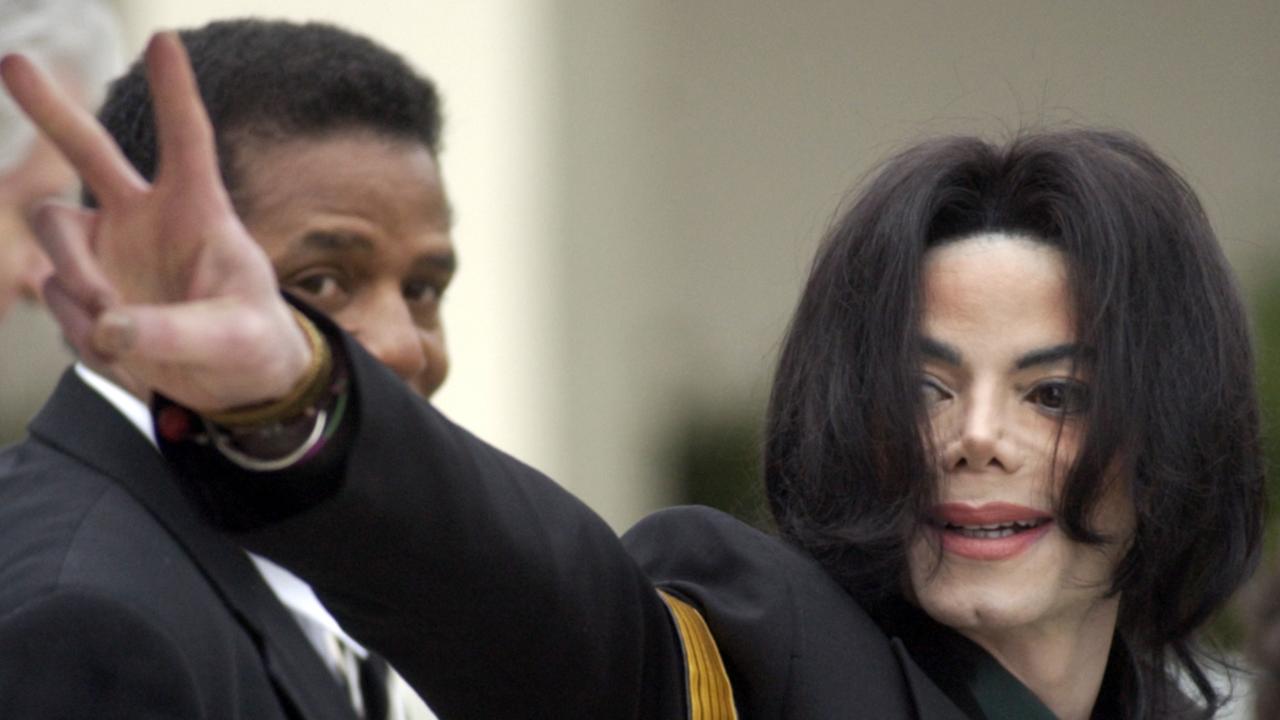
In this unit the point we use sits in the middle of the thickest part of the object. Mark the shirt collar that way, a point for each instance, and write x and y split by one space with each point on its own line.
973 679
133 409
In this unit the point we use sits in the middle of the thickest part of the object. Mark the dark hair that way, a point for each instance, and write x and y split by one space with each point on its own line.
848 474
264 80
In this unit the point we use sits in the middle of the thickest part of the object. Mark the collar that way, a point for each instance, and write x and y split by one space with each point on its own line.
133 409
974 680
297 595
293 592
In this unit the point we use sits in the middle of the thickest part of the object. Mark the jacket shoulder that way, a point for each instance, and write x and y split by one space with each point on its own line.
794 642
72 537
81 650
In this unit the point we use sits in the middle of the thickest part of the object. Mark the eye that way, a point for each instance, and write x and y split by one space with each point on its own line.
323 287
421 291
1060 396
933 392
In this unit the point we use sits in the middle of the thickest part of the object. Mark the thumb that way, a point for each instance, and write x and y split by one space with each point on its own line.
221 348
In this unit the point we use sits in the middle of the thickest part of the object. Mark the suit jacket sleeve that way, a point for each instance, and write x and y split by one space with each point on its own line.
71 654
493 591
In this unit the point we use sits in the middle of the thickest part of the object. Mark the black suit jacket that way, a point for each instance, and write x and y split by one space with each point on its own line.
118 600
499 595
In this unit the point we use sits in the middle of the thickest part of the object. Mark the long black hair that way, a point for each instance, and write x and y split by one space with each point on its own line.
848 473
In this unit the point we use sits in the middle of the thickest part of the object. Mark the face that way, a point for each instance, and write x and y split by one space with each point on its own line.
43 174
1004 395
358 225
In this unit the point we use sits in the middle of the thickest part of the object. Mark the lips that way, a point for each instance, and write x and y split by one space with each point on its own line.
994 531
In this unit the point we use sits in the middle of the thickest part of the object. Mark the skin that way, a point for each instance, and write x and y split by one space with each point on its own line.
42 174
358 226
992 304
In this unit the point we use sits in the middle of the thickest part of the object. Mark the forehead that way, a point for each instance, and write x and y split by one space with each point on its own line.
997 291
356 173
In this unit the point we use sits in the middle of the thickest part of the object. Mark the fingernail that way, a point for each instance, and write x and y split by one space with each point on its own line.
114 334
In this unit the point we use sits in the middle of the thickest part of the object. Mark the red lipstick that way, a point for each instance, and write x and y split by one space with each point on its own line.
993 531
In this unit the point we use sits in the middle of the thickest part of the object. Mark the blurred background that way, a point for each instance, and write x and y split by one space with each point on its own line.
640 185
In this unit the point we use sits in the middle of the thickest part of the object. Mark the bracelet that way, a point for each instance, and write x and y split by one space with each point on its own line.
224 445
280 444
302 397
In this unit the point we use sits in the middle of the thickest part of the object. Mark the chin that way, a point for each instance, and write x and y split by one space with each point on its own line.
1045 594
979 611
976 596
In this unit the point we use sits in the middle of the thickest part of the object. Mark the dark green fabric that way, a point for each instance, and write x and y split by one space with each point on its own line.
974 680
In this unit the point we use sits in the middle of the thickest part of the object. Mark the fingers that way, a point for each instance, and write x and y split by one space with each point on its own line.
75 132
207 355
185 135
193 333
76 321
65 233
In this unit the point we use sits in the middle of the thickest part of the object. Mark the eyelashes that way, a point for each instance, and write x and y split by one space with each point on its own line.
1059 397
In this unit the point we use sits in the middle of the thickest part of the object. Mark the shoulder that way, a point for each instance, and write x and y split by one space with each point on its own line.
793 640
48 505
70 534
81 649
698 547
106 606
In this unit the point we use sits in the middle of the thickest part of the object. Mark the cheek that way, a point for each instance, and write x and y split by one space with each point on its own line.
437 354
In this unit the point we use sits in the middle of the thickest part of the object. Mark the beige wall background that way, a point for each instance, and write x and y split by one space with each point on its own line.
640 184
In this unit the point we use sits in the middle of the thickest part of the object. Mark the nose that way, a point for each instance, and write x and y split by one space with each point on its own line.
982 440
388 332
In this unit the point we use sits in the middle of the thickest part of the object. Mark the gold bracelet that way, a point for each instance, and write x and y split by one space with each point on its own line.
301 398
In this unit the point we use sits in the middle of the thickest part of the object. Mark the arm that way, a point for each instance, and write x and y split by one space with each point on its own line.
492 590
496 593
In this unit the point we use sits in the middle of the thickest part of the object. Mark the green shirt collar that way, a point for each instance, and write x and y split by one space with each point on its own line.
974 680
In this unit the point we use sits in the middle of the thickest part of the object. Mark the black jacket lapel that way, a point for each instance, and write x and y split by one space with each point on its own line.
81 423
930 702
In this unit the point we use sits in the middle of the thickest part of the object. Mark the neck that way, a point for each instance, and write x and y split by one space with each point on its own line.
1063 664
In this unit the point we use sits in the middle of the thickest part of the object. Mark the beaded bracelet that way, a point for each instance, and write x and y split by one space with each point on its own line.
292 433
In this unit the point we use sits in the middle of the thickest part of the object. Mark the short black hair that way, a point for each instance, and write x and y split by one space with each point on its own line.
848 472
266 80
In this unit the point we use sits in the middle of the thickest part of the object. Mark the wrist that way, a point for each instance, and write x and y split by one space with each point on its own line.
301 397
274 435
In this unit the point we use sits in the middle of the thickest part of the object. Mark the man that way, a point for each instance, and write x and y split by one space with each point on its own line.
506 598
115 598
78 41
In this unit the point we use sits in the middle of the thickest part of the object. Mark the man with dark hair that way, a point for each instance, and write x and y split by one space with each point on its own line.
116 599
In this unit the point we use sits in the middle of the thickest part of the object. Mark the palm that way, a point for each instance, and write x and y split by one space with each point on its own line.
207 325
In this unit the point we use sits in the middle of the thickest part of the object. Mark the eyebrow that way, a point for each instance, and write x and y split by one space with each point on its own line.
1050 355
329 241
1043 356
940 351
441 262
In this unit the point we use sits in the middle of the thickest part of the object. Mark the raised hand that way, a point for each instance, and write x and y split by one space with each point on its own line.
162 283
